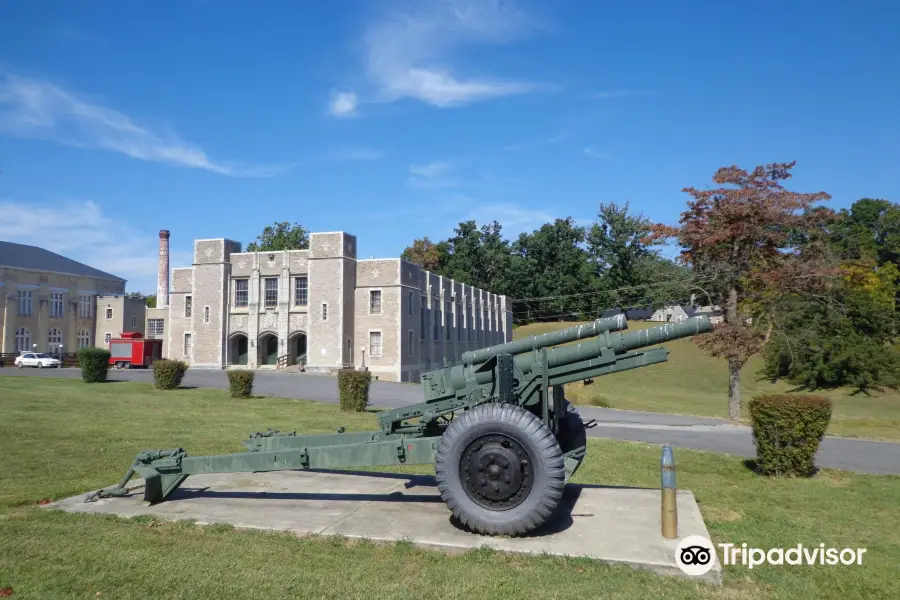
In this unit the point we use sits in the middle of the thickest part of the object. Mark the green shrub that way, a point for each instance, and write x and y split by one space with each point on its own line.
240 383
167 374
94 363
354 389
787 430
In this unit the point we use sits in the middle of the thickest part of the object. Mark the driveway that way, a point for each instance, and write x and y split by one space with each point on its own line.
681 431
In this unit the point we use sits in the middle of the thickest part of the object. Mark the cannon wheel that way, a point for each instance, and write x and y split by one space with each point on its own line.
572 433
500 470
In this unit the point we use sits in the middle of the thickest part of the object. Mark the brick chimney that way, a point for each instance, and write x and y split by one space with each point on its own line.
162 279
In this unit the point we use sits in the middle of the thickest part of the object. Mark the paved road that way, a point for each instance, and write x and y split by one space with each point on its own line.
682 431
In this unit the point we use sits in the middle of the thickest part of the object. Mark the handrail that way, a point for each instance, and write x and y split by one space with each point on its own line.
282 361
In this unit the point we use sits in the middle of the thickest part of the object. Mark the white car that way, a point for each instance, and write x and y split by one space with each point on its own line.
36 359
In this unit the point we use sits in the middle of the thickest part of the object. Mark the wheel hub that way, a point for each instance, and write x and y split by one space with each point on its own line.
496 472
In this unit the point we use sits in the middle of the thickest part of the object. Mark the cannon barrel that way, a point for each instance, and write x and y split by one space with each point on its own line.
554 338
619 343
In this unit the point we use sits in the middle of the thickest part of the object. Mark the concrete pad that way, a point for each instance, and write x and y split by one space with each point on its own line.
610 524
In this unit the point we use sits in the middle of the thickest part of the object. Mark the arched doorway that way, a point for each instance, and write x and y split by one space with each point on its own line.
297 348
237 349
267 349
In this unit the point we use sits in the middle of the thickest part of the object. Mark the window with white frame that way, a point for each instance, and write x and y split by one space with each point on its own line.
324 311
107 336
26 302
374 343
241 293
374 302
23 339
155 326
84 338
188 345
188 306
206 314
301 290
270 292
54 340
409 342
85 307
56 304
109 313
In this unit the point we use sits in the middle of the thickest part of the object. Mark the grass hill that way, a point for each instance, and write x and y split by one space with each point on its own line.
696 384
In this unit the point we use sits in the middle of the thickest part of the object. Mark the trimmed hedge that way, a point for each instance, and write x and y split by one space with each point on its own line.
353 387
240 383
94 363
787 430
167 373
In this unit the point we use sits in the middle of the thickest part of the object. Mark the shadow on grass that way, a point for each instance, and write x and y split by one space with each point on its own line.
752 466
564 517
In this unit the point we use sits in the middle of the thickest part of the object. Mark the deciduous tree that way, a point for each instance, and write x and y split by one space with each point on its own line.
744 231
281 235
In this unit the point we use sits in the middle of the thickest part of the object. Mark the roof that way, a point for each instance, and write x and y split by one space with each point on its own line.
22 256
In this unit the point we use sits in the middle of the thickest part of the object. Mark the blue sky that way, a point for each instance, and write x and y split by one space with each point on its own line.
395 120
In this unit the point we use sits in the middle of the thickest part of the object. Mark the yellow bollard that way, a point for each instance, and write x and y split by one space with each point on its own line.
669 491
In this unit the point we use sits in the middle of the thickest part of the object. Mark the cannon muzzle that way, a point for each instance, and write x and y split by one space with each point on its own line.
554 338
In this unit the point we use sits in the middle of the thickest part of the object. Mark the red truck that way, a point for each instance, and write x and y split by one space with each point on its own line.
131 350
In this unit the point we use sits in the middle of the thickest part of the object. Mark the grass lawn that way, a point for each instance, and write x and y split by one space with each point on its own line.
693 383
63 437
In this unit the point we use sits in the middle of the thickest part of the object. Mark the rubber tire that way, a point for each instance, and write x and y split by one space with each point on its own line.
537 440
40 365
572 433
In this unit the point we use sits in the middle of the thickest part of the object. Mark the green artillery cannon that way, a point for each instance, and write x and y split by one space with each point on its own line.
502 437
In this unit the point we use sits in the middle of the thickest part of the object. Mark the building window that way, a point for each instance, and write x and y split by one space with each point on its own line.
25 302
56 304
301 290
409 342
422 319
271 292
109 313
23 339
375 302
241 293
374 343
206 314
134 322
324 311
106 337
155 326
187 345
469 321
447 316
410 306
458 328
435 320
349 350
84 338
54 340
85 307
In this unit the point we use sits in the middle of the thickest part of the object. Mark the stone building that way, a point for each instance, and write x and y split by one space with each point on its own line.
58 304
321 309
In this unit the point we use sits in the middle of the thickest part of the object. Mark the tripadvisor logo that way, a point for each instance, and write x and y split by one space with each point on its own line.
695 555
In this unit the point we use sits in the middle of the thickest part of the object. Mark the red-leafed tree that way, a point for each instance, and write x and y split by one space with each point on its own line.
757 240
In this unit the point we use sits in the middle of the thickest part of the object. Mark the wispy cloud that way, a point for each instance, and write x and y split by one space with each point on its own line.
431 175
343 104
31 108
619 94
525 146
594 153
82 231
359 154
514 218
408 53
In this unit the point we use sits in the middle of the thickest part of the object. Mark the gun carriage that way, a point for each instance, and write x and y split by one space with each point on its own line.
497 427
